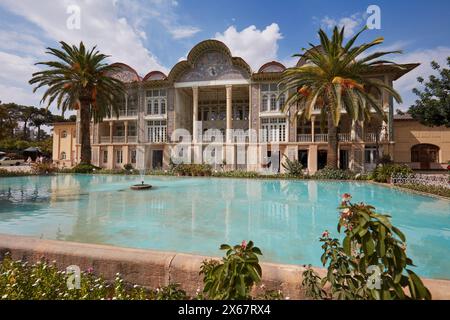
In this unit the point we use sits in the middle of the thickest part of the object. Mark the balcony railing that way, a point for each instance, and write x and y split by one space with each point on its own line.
118 139
127 113
322 137
304 138
105 139
345 137
132 139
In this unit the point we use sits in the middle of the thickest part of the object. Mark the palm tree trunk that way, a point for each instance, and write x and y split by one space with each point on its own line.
85 126
332 152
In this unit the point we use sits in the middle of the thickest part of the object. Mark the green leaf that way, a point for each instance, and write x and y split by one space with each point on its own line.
347 245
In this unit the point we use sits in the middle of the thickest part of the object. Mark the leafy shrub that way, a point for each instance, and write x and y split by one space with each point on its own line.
85 168
43 281
437 190
171 292
43 168
237 174
293 167
193 169
128 167
7 173
385 159
233 277
383 173
329 173
371 243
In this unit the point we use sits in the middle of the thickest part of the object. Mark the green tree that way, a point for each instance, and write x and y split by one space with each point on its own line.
335 78
80 79
42 117
432 108
9 118
26 114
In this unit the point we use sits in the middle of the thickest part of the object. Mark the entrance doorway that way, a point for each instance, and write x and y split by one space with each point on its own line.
321 159
274 161
343 159
303 158
157 159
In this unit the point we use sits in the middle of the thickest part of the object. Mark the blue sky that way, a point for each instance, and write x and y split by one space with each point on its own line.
156 34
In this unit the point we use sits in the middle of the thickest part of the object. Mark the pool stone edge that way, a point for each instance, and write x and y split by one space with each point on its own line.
152 268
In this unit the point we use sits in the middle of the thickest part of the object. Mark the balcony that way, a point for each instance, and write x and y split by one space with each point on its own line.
304 138
132 139
322 137
344 137
118 139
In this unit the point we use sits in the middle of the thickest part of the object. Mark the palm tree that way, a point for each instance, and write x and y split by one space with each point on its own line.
80 80
334 77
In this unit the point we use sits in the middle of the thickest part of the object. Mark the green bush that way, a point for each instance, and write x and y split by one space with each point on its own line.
437 190
7 173
293 167
193 170
383 173
85 168
329 173
371 263
43 281
128 167
233 277
43 168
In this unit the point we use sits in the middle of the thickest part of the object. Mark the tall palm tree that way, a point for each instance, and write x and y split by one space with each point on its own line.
80 80
334 77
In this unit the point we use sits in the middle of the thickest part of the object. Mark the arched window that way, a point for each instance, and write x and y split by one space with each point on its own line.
163 106
273 102
264 103
282 101
63 155
155 107
425 153
64 134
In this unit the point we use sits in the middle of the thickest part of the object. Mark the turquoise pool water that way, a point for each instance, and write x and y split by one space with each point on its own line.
196 215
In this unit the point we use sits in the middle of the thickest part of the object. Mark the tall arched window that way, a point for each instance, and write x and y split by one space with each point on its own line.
63 156
264 103
273 102
282 101
155 107
163 106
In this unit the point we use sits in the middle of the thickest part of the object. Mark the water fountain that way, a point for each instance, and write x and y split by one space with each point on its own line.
142 185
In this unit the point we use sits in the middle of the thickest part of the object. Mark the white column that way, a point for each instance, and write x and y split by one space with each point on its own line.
353 131
313 120
110 132
229 92
126 131
194 113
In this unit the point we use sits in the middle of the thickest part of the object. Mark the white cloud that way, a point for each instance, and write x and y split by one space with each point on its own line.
409 81
16 71
253 45
183 32
352 23
101 25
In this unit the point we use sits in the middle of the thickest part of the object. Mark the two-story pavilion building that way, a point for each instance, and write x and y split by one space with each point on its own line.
212 92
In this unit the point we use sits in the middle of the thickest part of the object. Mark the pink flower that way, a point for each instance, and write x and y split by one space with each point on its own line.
346 197
346 213
244 244
90 270
325 234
